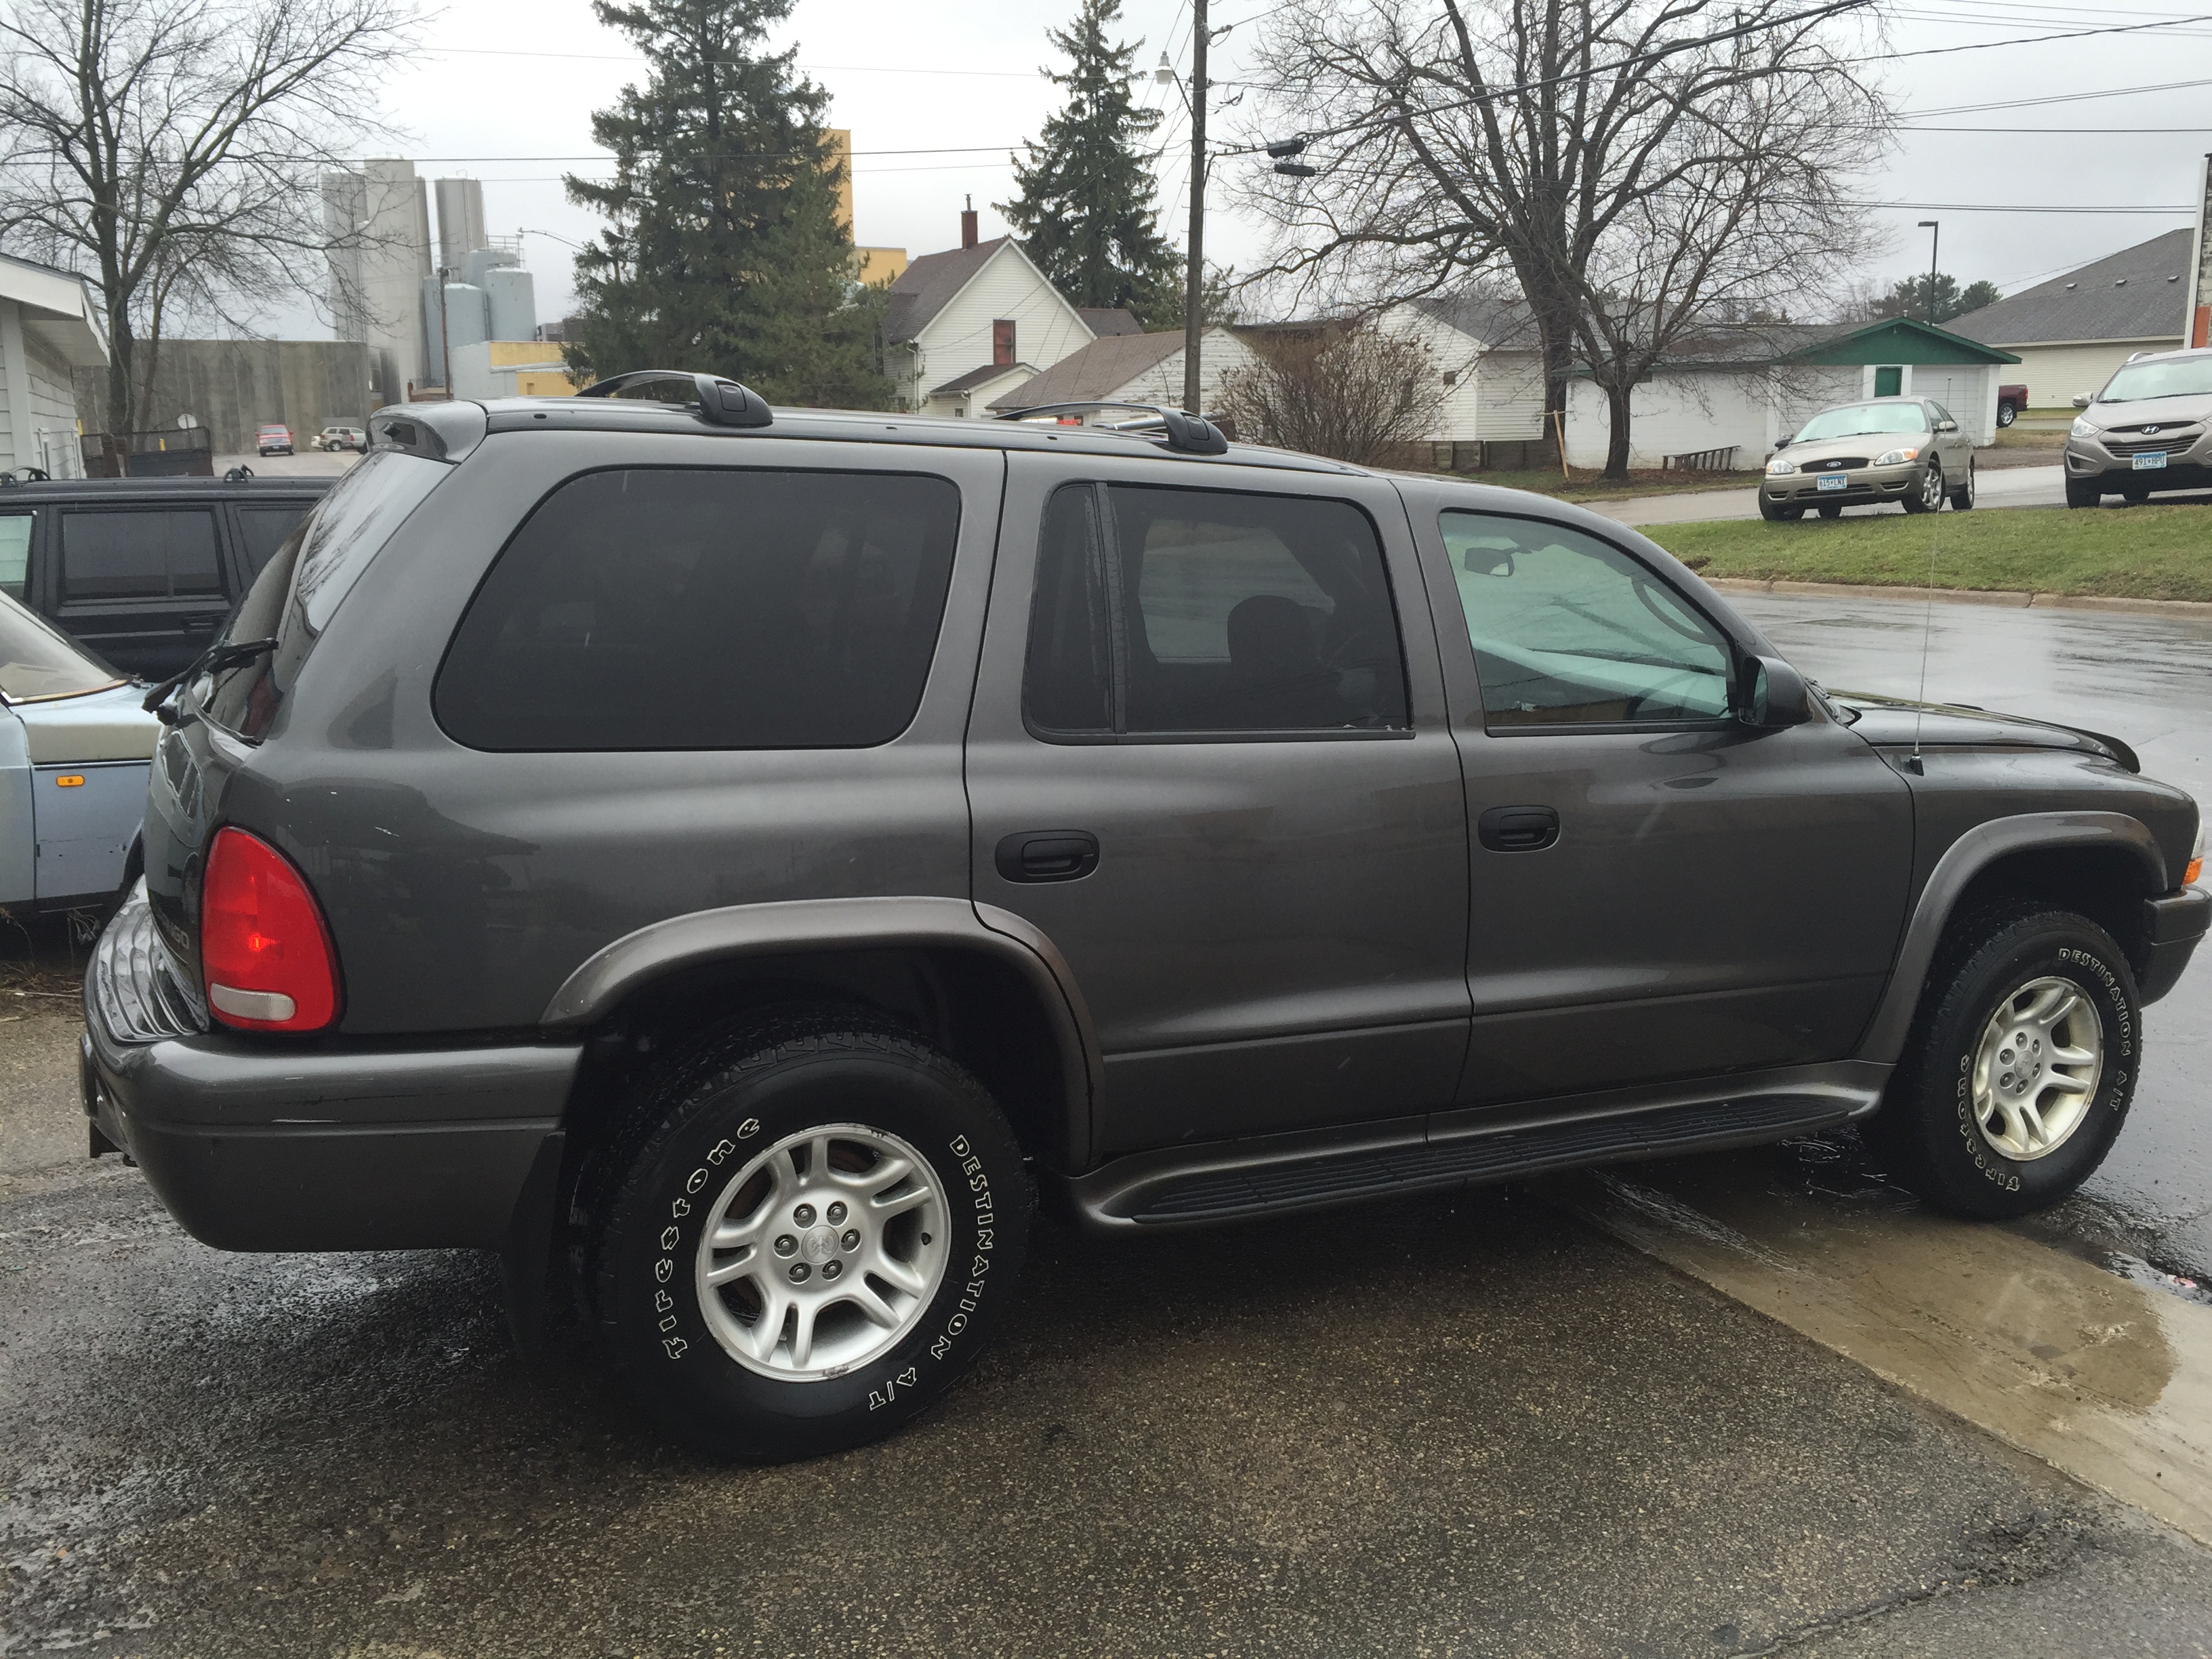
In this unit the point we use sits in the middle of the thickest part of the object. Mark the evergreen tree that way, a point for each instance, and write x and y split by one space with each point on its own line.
725 252
1084 209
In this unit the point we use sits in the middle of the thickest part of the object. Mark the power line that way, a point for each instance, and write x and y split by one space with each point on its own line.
729 63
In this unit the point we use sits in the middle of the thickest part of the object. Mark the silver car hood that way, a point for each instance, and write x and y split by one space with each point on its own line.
2180 410
98 725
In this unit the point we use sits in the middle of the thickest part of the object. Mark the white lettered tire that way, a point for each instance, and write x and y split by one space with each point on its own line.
805 1237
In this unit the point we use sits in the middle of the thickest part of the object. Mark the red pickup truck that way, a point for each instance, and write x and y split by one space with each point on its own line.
2011 399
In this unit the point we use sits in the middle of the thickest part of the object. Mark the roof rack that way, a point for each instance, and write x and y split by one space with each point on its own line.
1192 435
723 402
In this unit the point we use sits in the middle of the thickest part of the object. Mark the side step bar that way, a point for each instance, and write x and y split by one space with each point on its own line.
1223 1182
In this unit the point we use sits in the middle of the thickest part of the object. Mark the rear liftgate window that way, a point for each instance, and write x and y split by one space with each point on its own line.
1189 611
672 608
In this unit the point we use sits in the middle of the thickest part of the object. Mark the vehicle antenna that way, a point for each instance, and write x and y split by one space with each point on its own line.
1927 633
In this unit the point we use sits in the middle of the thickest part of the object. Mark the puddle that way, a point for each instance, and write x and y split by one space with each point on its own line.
2101 1367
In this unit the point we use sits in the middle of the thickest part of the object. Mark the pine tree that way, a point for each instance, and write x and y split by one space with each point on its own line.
1085 210
725 252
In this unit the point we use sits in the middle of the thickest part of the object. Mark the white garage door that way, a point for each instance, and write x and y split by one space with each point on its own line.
1959 389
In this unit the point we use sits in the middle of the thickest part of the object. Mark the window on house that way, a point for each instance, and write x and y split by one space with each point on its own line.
1002 343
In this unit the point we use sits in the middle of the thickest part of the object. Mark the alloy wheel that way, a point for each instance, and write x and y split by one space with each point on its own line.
822 1253
2037 1068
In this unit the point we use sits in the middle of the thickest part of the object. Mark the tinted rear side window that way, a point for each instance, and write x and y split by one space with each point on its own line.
263 530
139 555
683 608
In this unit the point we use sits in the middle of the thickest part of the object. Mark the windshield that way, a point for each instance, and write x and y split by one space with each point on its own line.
2177 377
38 661
1863 419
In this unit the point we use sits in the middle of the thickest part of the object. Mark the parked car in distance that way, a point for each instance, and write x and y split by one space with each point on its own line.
723 857
2011 399
75 740
143 571
340 437
2150 428
1906 450
273 440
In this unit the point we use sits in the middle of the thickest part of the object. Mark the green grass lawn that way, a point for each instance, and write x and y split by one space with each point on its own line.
1587 486
2138 552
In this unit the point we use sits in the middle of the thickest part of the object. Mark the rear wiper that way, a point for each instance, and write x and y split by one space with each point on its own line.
213 660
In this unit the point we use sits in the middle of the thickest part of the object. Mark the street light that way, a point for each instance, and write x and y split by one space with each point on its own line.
1935 241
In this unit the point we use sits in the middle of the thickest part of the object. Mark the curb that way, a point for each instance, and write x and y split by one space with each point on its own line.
2001 596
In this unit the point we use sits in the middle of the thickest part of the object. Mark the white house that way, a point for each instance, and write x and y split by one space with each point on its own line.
46 332
2071 333
1138 368
983 304
1724 400
1485 348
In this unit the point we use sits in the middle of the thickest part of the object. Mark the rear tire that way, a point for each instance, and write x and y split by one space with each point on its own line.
864 1192
2006 414
1982 1124
1962 498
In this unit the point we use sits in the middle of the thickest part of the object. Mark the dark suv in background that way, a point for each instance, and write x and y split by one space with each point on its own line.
143 571
725 858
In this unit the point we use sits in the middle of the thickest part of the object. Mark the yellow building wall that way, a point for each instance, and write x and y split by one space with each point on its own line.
878 265
838 141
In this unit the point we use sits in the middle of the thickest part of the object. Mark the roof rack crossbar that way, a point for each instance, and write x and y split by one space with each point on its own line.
722 402
1192 435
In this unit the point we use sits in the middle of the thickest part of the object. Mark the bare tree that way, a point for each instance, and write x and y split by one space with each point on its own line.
1640 168
1349 391
172 151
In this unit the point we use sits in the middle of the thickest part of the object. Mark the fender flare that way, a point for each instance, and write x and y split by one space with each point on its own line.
1967 858
616 970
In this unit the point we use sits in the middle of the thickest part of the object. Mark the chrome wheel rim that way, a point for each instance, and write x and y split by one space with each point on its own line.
1931 487
822 1253
2036 1069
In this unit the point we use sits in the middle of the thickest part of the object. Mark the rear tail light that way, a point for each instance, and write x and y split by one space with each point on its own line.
265 956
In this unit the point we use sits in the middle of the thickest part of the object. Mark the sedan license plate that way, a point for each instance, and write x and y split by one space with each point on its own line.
2152 462
1837 480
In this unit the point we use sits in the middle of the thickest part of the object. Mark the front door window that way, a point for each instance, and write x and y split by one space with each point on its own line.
1569 631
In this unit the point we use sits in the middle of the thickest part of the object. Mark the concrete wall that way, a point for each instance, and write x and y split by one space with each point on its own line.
234 386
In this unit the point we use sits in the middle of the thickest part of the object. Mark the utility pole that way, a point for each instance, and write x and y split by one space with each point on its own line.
1194 323
445 344
1935 229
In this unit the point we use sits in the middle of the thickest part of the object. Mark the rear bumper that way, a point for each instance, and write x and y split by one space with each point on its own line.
257 1146
2173 924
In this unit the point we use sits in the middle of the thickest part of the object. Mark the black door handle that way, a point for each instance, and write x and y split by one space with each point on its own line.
1048 855
1518 829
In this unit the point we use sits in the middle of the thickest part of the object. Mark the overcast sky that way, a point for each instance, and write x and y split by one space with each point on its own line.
503 88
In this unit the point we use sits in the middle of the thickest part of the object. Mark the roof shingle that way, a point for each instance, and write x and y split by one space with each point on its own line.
2141 293
927 285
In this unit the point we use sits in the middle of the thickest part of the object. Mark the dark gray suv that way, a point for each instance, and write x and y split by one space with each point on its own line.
725 861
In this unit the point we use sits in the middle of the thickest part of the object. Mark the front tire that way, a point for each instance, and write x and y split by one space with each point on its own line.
1774 512
2082 492
1928 496
805 1237
2020 1069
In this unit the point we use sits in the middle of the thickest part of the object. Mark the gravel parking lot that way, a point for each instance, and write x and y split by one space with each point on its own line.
1485 1425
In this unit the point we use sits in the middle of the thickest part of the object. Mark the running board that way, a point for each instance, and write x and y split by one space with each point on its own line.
1224 1182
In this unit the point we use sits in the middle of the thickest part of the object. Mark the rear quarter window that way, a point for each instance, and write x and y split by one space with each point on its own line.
673 608
303 579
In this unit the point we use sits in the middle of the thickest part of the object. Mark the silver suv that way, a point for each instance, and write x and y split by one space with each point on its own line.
2150 428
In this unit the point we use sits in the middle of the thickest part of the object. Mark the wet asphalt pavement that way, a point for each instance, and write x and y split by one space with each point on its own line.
1476 1426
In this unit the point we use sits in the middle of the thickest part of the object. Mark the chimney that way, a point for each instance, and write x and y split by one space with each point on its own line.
968 224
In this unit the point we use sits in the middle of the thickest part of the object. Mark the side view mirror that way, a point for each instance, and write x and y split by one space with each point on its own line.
1772 694
1946 426
1784 443
2082 400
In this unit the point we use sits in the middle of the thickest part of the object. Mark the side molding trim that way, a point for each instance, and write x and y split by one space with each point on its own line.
853 924
1967 858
